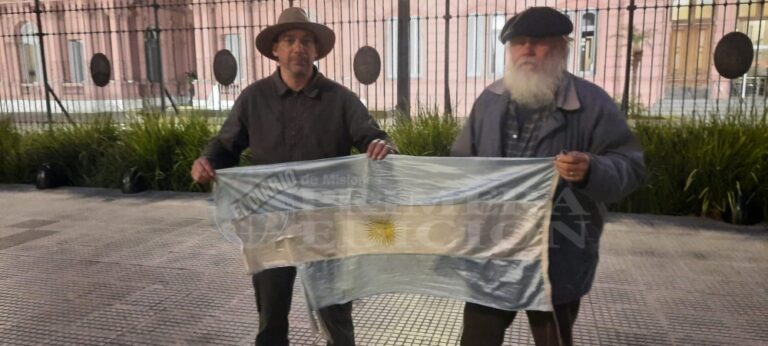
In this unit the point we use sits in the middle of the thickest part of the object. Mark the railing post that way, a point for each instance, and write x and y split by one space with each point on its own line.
627 70
157 30
403 61
46 87
447 17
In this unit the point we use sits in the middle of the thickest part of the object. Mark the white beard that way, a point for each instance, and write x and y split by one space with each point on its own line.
535 89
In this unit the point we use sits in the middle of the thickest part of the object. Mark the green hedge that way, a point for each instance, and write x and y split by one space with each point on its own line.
694 168
10 152
98 153
428 133
702 168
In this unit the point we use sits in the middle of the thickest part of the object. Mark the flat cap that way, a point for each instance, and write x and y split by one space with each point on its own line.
536 22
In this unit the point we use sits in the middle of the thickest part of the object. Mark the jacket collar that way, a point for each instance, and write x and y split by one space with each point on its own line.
311 89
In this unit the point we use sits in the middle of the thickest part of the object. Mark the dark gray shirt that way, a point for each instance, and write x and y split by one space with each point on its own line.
278 124
521 130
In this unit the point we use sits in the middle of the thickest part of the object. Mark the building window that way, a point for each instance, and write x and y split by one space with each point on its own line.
749 9
485 53
232 44
497 48
476 40
152 55
584 50
76 68
415 48
587 46
753 21
701 9
29 54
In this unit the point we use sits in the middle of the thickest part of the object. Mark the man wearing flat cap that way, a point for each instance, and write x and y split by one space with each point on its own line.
295 114
540 110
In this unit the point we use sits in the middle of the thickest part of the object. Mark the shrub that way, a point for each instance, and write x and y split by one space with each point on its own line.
78 151
428 133
701 167
163 148
10 152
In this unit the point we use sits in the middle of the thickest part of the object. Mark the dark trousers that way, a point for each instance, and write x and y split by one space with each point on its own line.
485 326
274 290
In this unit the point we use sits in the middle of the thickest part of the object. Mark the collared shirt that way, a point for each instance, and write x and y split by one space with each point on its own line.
521 129
278 124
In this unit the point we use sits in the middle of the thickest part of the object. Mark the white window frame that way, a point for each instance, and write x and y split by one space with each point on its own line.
485 53
76 54
577 17
497 51
416 51
476 42
232 43
588 70
29 54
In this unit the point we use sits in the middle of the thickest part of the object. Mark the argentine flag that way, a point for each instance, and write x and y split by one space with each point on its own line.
473 229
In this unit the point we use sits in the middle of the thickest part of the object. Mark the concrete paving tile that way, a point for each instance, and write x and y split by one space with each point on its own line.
149 269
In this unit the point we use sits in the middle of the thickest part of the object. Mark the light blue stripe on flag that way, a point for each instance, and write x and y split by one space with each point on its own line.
504 284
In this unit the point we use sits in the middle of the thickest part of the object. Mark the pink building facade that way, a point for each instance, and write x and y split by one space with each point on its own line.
671 54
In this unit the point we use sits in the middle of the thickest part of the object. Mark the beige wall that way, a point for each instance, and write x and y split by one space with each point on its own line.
193 31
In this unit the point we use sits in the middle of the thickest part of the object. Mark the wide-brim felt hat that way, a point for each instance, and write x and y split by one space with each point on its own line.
290 19
536 22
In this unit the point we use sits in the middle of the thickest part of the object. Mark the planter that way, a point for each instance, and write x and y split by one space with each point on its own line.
134 181
746 211
47 177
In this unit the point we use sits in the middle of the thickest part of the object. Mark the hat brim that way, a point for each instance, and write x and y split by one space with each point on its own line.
267 37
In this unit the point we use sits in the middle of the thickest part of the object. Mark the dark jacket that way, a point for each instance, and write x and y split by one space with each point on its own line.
586 119
322 120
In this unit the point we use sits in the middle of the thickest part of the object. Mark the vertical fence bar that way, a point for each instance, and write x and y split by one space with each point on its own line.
651 84
636 89
627 69
691 12
447 57
403 61
708 82
38 11
756 91
665 50
159 56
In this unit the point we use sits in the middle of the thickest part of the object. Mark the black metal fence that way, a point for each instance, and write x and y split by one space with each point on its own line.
655 55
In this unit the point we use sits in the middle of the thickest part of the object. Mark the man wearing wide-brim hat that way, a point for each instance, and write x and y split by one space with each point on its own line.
540 110
295 114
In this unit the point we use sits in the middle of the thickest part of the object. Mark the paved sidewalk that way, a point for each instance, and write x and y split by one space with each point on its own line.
92 266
